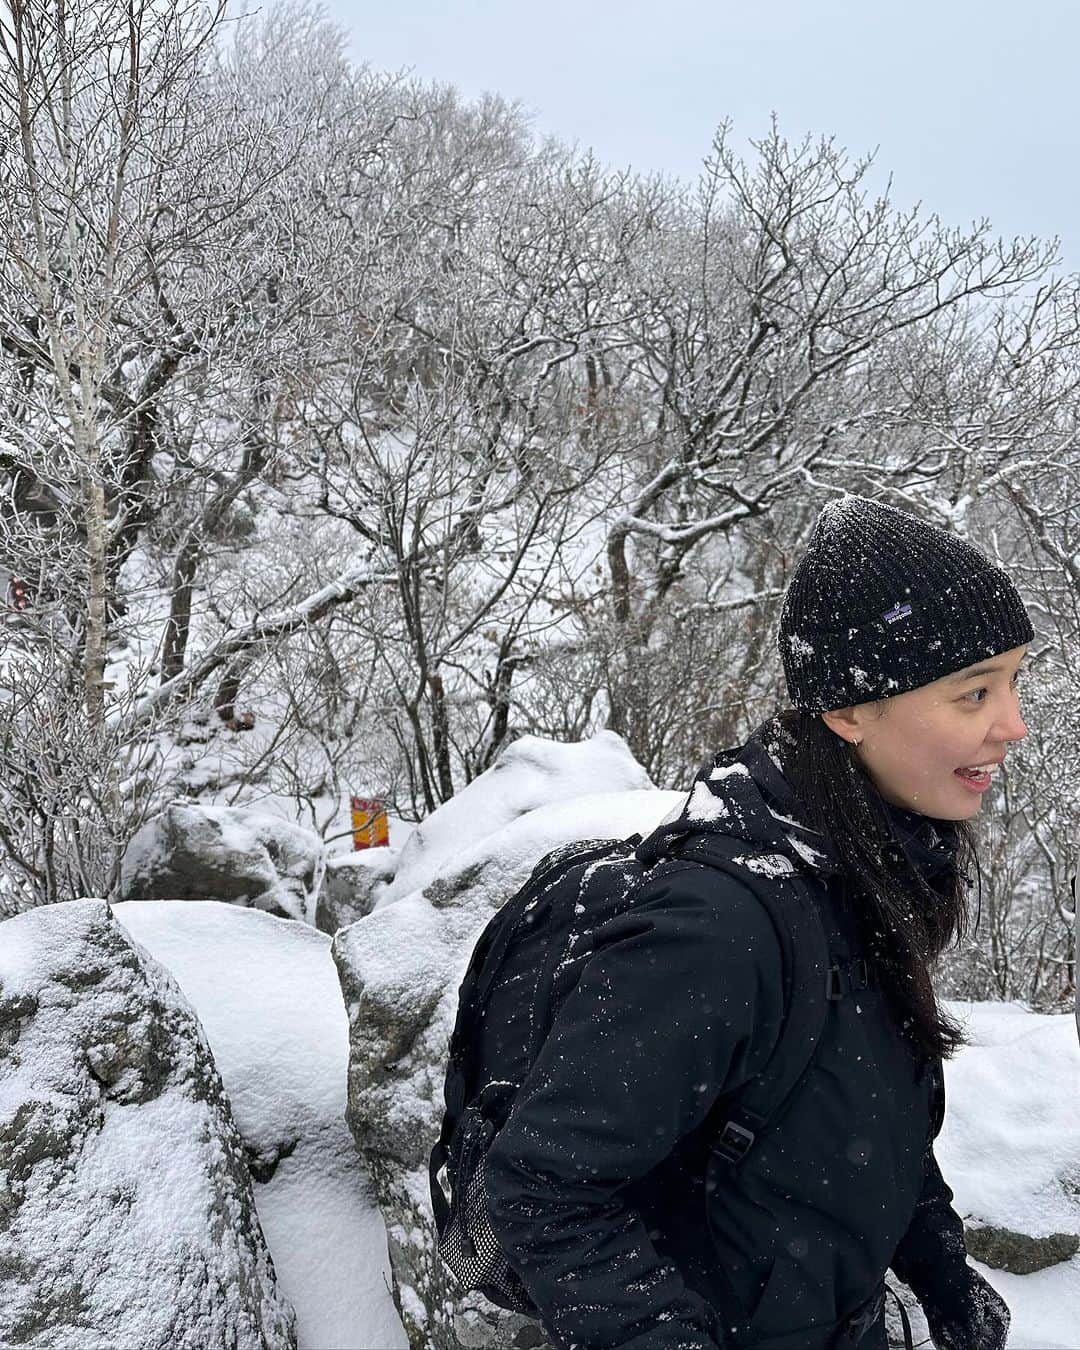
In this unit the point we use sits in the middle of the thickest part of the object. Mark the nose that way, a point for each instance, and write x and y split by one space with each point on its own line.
1014 728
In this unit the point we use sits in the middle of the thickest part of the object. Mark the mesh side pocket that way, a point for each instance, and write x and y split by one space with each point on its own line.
468 1246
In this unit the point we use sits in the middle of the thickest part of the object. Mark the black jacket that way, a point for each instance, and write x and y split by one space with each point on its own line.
596 1182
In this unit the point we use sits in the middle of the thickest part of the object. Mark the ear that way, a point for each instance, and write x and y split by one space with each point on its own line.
846 722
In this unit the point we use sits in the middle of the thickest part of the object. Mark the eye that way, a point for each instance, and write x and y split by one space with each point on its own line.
977 701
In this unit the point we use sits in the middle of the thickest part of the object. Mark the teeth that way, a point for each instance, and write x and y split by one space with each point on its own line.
982 768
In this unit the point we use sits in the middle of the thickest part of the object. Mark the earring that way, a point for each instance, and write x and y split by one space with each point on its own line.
855 742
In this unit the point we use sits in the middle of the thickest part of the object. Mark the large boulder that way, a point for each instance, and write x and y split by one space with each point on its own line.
400 968
530 773
126 1209
270 1004
1014 1168
228 853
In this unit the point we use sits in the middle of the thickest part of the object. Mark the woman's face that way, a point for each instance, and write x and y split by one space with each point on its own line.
912 745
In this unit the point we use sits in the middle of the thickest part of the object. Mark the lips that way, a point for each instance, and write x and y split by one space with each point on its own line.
979 778
988 766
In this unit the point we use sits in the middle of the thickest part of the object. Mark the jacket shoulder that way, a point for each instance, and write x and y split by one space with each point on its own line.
709 914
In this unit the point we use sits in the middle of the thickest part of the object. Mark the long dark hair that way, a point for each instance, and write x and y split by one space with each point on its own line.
905 920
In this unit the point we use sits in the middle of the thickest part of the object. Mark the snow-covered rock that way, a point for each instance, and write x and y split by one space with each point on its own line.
126 1208
350 886
230 853
1017 1060
1009 1149
400 969
1015 1170
530 773
267 994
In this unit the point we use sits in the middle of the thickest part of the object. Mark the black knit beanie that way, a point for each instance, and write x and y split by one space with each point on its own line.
883 602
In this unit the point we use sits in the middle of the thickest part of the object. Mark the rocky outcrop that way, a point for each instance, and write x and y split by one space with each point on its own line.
350 886
399 1026
1012 1137
228 853
126 1209
400 968
1018 1253
529 774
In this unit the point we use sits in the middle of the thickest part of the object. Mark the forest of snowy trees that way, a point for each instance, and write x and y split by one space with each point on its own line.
348 431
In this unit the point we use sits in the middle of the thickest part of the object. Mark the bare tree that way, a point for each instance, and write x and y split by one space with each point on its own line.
350 432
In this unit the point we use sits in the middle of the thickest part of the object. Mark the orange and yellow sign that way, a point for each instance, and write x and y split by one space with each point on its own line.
369 825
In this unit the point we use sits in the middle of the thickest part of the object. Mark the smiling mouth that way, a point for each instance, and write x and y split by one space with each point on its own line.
977 778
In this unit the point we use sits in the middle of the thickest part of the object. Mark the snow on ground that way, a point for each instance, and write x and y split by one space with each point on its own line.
1045 1306
1011 1135
267 994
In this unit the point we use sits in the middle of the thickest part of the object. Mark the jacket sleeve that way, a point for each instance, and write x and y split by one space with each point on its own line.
963 1311
680 999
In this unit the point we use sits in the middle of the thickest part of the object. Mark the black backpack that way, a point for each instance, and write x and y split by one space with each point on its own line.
529 958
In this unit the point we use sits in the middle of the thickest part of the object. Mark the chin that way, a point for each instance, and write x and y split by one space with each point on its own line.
954 814
947 811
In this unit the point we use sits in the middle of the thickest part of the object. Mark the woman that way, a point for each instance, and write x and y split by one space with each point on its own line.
901 647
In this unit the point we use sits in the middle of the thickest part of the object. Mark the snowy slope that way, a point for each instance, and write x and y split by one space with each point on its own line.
267 994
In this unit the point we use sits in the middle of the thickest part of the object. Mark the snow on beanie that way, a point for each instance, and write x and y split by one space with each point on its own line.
883 602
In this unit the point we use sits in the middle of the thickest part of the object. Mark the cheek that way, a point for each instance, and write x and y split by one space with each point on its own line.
956 743
927 743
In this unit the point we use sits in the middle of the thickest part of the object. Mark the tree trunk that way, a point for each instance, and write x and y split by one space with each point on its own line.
500 702
95 640
178 624
227 694
440 734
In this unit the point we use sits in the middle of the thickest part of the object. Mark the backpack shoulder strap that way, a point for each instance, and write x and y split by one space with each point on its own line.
778 885
809 984
487 958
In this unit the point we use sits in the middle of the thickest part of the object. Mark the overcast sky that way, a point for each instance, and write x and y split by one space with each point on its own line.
973 107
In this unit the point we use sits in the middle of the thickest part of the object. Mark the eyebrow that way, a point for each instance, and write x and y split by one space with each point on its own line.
976 671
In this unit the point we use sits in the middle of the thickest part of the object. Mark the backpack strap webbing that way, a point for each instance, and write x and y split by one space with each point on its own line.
807 980
809 983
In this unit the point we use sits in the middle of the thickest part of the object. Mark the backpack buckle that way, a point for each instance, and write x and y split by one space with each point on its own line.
734 1142
842 981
